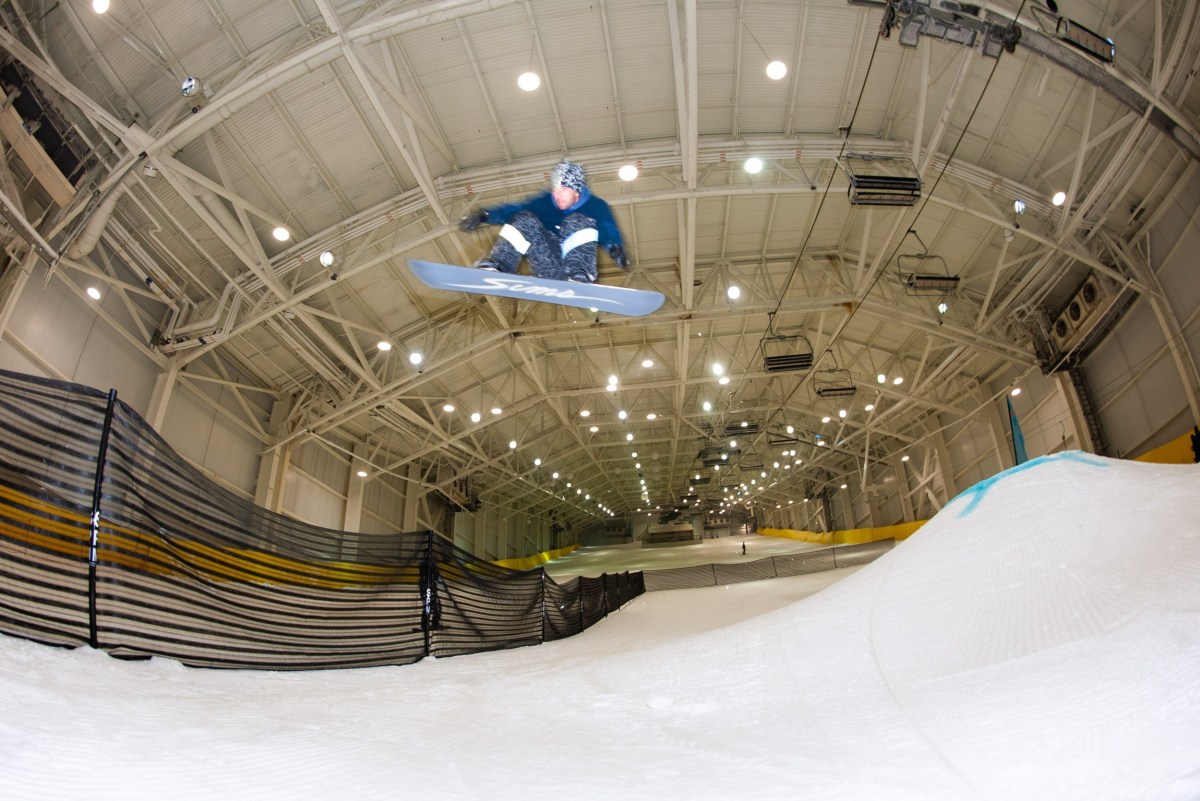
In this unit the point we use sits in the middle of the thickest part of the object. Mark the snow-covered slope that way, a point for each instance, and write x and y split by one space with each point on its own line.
1039 638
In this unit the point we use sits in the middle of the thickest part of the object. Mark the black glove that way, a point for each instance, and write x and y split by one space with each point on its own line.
617 253
473 219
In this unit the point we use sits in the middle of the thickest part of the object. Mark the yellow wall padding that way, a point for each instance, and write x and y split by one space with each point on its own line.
527 562
1177 451
854 536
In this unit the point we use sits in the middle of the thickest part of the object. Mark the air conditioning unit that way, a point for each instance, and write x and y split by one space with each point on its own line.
1094 292
1075 312
1081 313
1062 331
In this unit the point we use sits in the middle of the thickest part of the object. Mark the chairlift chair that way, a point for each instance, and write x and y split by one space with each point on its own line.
834 383
787 353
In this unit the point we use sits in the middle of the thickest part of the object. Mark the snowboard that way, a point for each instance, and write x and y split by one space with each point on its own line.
614 299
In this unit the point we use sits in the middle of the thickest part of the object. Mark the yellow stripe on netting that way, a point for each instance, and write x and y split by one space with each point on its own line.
57 529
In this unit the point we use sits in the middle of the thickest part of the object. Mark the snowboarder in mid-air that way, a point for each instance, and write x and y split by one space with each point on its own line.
557 230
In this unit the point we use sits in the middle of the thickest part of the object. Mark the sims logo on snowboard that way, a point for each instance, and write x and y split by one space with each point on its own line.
528 289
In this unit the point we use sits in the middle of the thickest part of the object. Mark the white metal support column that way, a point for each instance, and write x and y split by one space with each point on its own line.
998 428
352 516
1079 433
164 387
274 462
904 487
945 466
413 489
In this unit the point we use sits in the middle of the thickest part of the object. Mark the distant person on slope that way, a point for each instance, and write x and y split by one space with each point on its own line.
557 231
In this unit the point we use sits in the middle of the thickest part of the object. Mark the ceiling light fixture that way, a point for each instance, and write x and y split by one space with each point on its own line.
99 6
627 172
776 69
753 165
1059 198
93 293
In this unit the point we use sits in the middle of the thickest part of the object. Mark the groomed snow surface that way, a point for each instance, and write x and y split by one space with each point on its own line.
1038 639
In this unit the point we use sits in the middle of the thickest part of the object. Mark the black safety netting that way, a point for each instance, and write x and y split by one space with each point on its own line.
782 566
109 537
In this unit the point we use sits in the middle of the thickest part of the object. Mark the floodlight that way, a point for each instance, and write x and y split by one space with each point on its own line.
1086 40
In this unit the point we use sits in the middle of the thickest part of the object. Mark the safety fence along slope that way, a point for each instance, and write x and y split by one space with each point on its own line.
110 538
797 564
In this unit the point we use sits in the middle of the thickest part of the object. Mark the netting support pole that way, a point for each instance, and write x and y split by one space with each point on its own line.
543 605
428 588
94 539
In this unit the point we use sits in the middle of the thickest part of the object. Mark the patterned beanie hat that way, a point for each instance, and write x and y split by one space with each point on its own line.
568 175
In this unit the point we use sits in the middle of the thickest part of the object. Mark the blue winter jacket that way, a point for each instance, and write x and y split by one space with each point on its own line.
551 216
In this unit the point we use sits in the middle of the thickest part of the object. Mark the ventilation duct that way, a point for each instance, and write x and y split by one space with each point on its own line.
93 229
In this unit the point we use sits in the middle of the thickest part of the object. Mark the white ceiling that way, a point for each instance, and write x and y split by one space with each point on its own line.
369 128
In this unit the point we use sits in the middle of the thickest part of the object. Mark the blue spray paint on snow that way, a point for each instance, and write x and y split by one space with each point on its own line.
976 492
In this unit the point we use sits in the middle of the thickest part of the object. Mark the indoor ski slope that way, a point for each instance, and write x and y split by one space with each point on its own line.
1038 639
